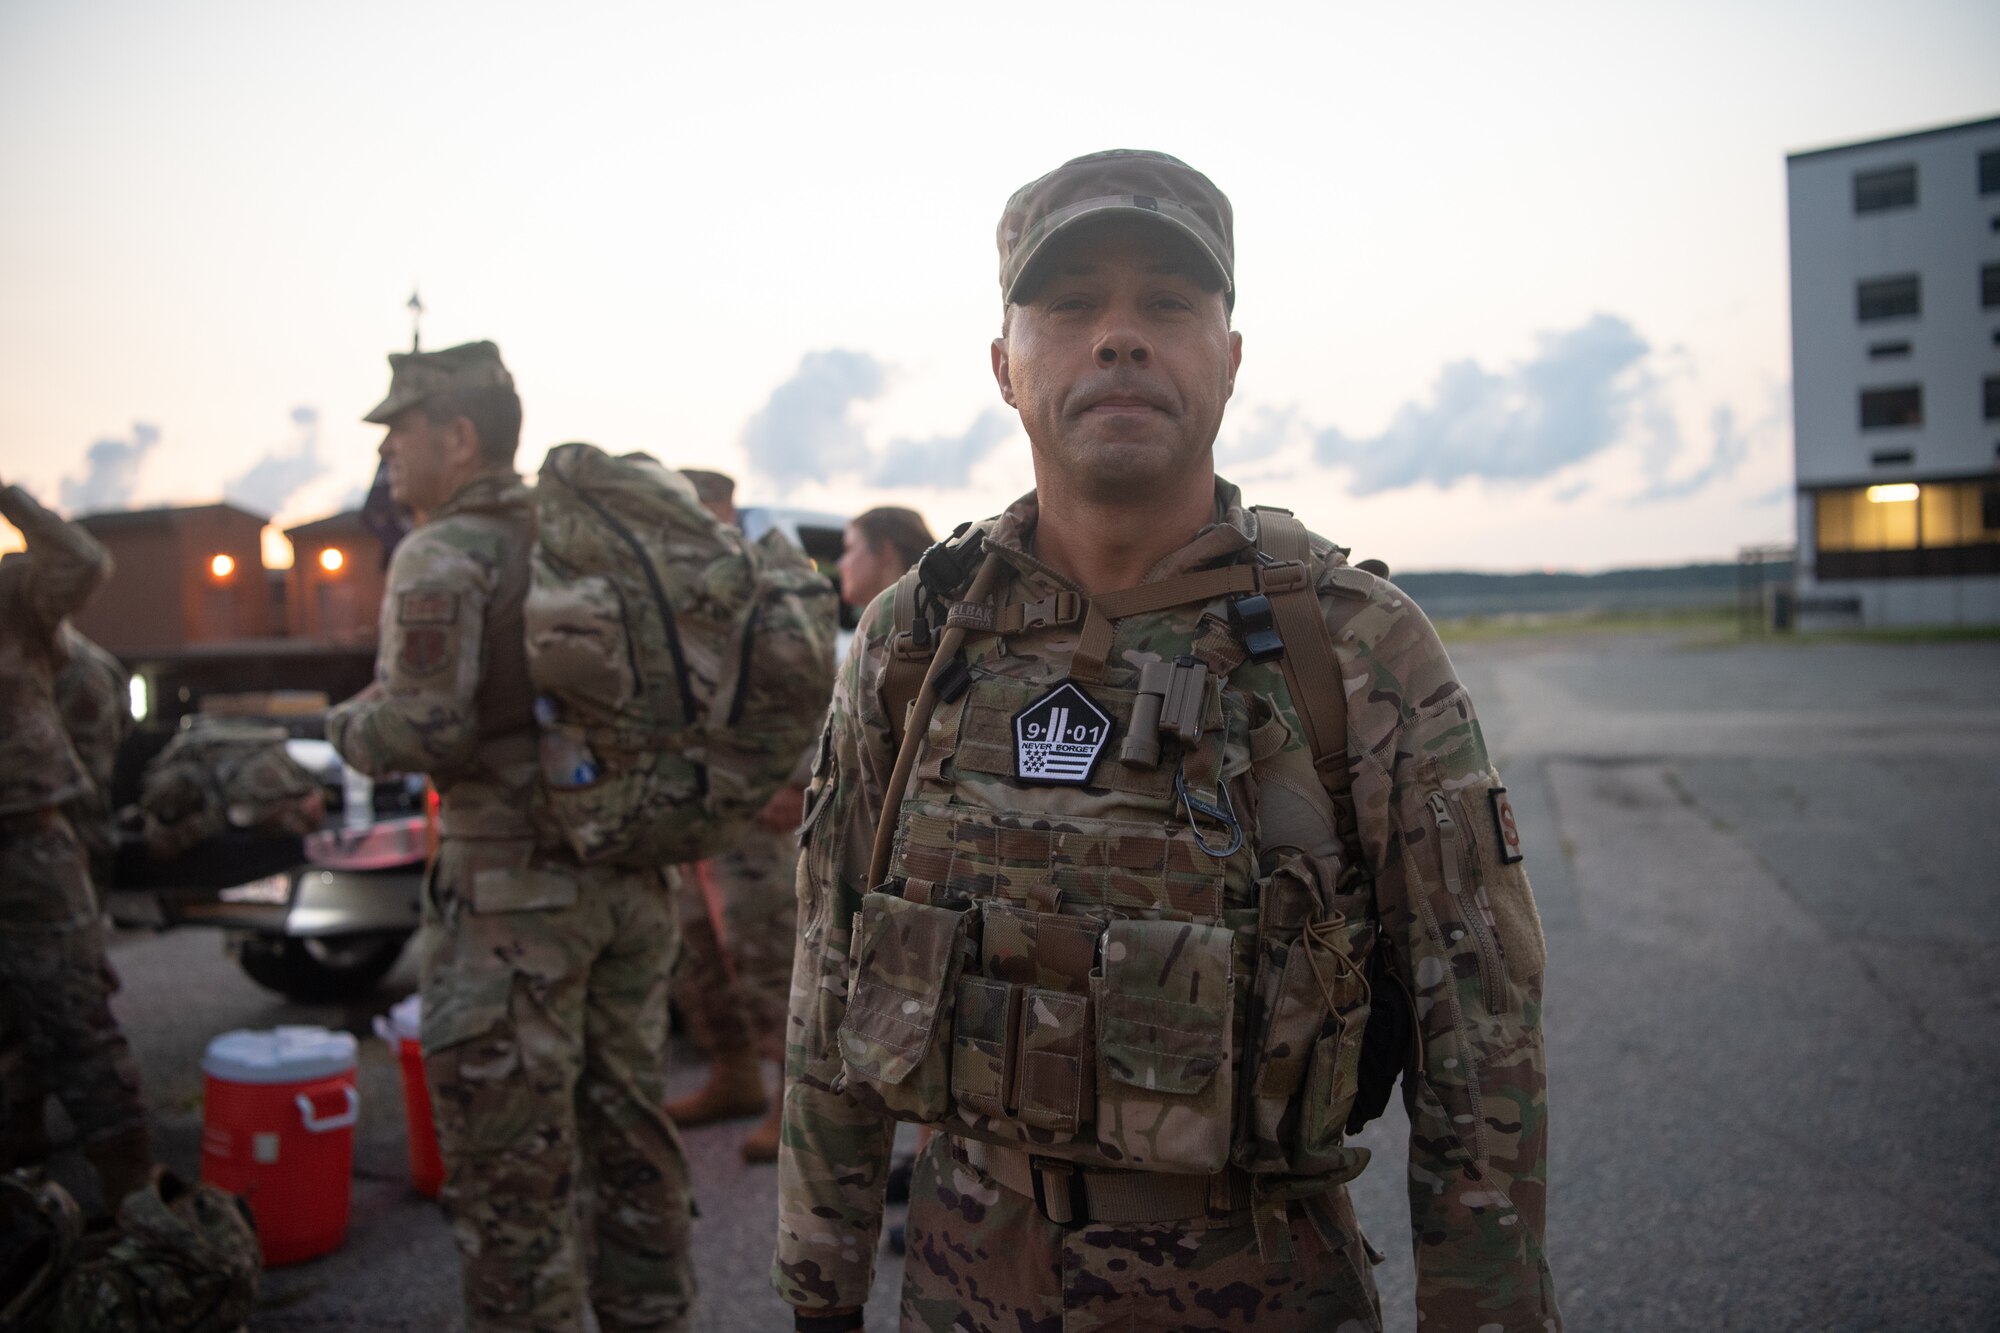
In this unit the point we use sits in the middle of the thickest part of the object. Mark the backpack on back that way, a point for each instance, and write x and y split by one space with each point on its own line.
679 669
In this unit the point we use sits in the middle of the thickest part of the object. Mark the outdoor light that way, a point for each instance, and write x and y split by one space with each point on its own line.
331 559
139 698
222 566
1890 494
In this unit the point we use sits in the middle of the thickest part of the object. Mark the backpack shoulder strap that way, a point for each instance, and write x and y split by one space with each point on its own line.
907 662
1312 673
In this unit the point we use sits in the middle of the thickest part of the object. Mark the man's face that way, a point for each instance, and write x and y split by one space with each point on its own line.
1120 363
421 460
865 570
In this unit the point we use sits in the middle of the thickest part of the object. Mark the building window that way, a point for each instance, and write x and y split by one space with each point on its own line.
1892 458
1891 187
1989 171
1989 286
1904 529
1887 409
1993 397
1889 351
1888 298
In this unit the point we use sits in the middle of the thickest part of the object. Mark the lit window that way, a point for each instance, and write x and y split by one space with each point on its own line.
1887 409
1890 187
222 566
332 560
1888 298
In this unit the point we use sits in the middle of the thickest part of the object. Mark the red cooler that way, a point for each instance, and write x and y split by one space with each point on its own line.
400 1027
278 1129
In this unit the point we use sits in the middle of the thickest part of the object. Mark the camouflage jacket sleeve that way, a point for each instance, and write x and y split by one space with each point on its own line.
1460 922
68 562
834 1155
419 716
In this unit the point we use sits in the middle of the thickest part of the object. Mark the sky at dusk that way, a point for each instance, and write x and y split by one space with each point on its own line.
1512 279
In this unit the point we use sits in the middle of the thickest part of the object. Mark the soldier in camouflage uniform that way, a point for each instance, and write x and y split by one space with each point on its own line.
54 992
1126 966
93 694
544 981
739 917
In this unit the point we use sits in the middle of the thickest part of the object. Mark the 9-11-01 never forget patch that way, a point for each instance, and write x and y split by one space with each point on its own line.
1058 738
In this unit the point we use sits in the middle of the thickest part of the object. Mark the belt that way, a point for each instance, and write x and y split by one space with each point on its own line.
1071 1196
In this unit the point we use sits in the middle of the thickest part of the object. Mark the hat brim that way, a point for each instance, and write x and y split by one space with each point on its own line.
385 410
1024 262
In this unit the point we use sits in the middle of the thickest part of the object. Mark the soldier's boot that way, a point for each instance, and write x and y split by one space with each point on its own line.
735 1089
124 1162
761 1143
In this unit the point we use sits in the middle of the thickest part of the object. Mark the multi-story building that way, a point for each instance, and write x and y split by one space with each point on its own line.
1895 247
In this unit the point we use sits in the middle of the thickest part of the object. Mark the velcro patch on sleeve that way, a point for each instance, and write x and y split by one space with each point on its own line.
1506 832
427 606
425 649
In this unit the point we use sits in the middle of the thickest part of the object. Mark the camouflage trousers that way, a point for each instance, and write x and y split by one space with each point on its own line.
737 1000
57 1032
983 1259
545 1038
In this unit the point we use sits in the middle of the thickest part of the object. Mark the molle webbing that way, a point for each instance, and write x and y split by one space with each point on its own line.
1083 863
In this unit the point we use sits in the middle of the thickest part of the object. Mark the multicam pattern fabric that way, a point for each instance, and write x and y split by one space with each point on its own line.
185 1258
221 774
51 579
1383 852
91 694
983 1259
544 1026
738 1003
680 669
544 1035
57 1032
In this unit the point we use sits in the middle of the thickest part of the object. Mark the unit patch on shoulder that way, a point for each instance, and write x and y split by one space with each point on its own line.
426 648
427 606
1058 737
1505 831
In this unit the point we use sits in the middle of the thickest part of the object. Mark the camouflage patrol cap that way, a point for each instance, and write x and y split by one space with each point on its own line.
1122 182
415 376
711 487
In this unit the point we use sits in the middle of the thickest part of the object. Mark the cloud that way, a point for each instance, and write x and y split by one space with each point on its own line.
806 431
1266 432
280 474
111 474
943 461
1731 447
1574 398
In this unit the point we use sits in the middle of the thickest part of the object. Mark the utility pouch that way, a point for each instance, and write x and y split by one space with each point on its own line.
907 961
982 1044
1056 1066
1022 1035
1163 1045
1289 1014
1334 951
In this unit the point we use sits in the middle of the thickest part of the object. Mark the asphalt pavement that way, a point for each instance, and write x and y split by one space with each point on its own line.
1770 877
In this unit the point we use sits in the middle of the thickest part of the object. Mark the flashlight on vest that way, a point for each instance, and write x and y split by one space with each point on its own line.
1142 742
1171 696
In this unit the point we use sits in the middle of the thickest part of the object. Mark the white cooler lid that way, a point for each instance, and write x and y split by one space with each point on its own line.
406 1016
280 1055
